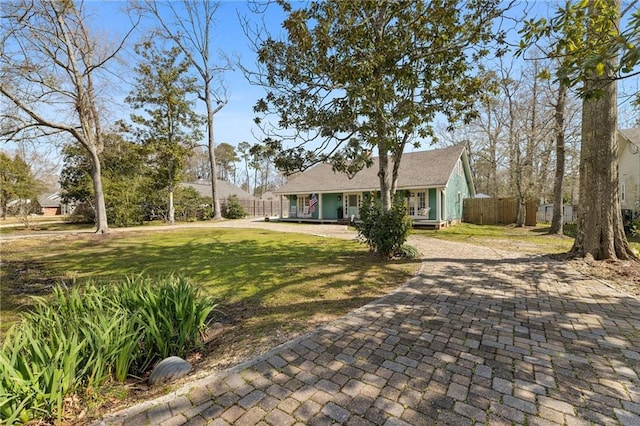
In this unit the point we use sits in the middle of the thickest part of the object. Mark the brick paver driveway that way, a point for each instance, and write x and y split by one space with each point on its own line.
479 337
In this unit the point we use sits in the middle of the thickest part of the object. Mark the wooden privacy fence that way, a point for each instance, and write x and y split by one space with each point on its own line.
497 211
260 208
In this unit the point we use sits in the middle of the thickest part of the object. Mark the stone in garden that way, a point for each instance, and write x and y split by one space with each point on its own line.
169 369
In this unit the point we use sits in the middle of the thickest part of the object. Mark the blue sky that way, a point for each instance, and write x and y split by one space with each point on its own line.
234 123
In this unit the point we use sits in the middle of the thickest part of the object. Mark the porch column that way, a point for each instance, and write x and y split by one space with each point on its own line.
438 204
319 206
444 205
280 215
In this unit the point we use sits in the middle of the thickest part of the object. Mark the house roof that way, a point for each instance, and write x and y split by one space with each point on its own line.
50 200
633 135
417 170
224 190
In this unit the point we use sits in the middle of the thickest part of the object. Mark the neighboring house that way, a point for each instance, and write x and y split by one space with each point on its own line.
434 183
545 213
629 170
52 205
269 195
225 189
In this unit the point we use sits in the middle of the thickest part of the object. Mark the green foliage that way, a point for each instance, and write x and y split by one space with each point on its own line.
125 180
166 123
85 336
131 195
226 157
359 76
409 252
190 206
232 209
385 232
17 183
588 42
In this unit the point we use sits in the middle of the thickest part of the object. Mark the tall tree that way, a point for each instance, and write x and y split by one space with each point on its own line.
357 76
51 69
168 125
598 54
191 25
126 178
17 183
226 157
557 221
244 148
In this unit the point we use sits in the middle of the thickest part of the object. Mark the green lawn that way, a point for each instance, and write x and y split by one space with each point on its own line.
509 237
269 279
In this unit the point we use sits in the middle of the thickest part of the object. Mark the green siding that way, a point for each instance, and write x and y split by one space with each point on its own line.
456 184
293 202
432 203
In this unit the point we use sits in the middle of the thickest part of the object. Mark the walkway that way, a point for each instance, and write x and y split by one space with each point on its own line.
478 337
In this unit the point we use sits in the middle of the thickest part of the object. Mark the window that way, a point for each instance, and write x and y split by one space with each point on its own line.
303 205
418 204
422 200
412 207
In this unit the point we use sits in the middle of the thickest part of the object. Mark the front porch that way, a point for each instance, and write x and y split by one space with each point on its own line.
426 207
417 223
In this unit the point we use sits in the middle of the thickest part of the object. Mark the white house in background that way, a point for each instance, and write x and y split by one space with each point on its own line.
629 169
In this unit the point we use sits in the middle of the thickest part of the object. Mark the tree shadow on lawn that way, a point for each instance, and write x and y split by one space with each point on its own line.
258 273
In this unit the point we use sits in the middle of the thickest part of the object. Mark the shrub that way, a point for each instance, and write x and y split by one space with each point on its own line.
172 315
409 252
384 232
233 209
83 337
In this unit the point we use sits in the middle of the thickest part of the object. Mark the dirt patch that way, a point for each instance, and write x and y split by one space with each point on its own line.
623 275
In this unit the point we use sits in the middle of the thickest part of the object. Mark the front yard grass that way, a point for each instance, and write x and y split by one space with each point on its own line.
267 283
528 239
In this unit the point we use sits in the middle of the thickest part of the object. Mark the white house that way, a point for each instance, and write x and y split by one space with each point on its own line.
629 169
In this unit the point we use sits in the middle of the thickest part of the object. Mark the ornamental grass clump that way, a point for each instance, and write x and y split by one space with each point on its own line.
83 337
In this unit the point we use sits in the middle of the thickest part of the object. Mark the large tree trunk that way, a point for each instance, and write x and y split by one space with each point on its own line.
102 225
600 231
557 221
383 175
172 208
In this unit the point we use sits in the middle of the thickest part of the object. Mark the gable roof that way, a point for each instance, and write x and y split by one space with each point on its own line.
224 190
50 200
633 135
417 170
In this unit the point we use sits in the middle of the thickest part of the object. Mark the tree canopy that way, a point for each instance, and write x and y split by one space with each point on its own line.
354 77
17 182
52 70
596 51
166 123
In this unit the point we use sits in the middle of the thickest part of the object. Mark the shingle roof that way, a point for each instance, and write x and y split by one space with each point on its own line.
50 199
632 134
224 190
417 170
